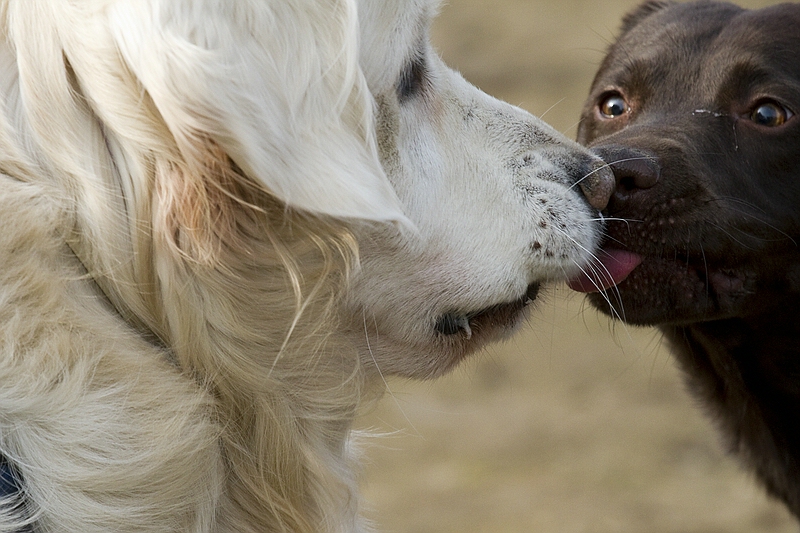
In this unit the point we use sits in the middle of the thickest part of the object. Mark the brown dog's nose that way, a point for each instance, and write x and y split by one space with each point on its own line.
598 185
634 170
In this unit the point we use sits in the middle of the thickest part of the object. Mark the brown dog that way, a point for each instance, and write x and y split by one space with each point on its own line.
694 108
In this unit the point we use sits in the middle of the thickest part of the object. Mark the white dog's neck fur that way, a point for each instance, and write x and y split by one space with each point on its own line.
208 168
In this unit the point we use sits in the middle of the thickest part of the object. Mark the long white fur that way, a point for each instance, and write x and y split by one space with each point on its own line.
217 220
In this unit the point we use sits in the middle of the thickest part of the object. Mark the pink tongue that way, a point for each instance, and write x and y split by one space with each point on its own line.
609 269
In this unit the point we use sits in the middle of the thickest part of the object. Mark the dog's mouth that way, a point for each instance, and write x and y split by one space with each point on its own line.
652 290
501 316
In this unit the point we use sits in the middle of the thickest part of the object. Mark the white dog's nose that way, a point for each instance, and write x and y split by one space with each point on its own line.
598 185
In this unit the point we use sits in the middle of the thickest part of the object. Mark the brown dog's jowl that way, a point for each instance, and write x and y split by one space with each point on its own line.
695 109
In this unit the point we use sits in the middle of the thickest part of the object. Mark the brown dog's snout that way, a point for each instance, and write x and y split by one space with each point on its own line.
634 171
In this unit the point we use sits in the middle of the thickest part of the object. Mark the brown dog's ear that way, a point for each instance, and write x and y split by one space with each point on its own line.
642 12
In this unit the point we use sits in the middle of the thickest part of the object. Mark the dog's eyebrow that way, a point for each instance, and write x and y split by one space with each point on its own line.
747 76
743 75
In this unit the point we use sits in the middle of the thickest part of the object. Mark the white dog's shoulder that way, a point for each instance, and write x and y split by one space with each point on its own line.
107 432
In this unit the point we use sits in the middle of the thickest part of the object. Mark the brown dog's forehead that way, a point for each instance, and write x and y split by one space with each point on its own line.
705 41
708 17
706 26
773 31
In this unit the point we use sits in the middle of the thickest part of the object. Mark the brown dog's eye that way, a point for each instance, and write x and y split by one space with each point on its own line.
770 114
613 106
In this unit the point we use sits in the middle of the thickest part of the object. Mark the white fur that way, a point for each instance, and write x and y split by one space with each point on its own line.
220 224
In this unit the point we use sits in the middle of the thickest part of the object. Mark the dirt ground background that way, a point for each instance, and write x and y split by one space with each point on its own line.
576 425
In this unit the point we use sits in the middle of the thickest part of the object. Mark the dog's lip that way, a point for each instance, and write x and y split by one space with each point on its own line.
613 266
497 316
726 280
665 289
721 280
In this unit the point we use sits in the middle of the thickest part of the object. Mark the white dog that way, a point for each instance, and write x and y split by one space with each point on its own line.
221 221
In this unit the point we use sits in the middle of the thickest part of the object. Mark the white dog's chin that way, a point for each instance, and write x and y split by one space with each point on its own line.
445 341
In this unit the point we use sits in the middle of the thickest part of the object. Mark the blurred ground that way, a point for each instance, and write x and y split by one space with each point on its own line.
576 425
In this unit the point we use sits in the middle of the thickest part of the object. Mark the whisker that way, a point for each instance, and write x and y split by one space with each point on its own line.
752 216
595 266
551 108
608 165
618 314
705 268
383 378
726 232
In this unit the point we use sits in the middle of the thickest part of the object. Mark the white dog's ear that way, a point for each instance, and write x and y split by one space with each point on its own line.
276 84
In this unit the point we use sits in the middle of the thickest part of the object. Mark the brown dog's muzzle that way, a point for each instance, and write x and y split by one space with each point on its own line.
634 170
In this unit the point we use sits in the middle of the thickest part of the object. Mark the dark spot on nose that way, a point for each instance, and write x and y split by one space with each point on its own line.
598 185
636 174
